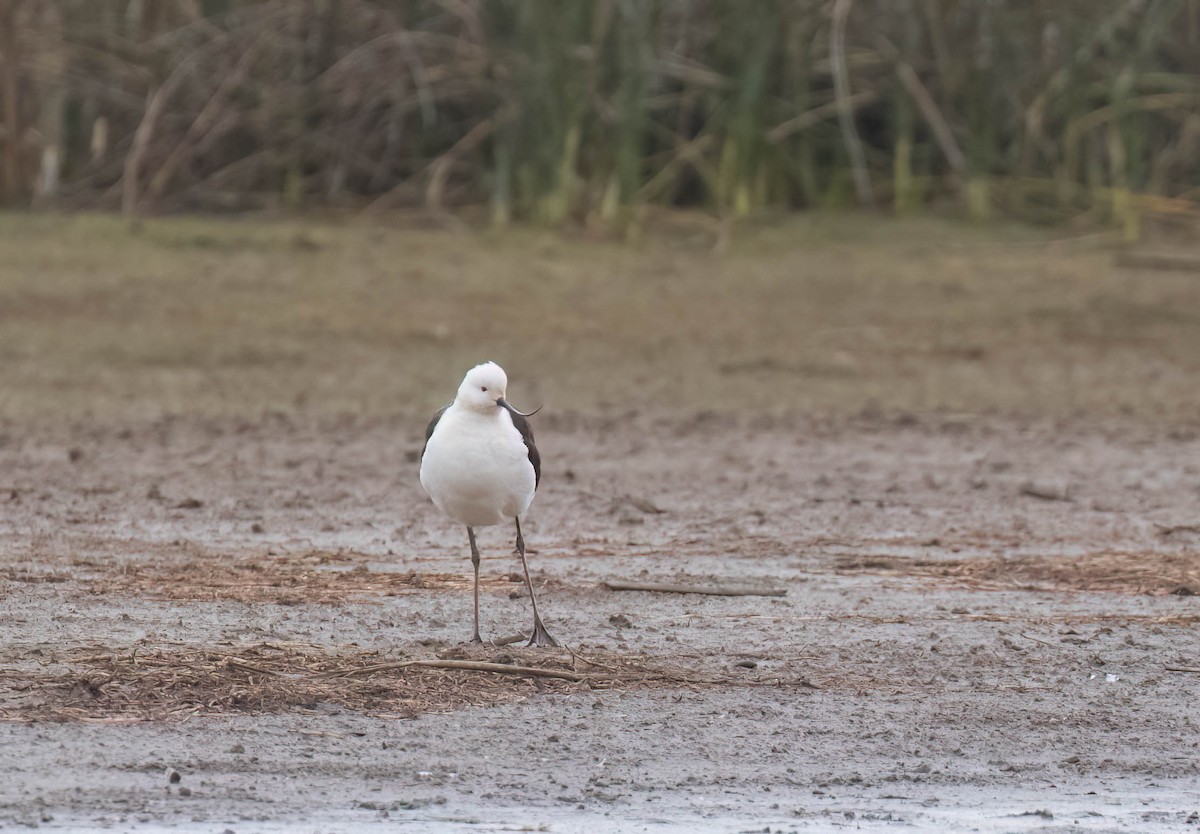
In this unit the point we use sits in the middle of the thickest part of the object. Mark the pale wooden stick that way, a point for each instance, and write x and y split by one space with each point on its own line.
711 590
467 666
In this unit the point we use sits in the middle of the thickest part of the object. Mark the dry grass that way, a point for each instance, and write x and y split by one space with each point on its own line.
315 577
151 684
1129 573
812 313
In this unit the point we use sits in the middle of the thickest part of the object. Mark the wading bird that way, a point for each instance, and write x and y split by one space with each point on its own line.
480 467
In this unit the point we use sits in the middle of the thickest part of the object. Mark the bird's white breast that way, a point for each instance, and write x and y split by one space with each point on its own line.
476 467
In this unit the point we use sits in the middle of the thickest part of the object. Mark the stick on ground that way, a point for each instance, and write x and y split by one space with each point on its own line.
1045 491
469 666
1171 529
712 590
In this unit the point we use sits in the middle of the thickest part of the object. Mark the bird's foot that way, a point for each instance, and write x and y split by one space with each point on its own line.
476 638
540 636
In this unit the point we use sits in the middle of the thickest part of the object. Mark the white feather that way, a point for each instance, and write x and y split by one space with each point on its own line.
476 467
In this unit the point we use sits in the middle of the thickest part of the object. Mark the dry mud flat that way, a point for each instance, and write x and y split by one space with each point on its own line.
985 627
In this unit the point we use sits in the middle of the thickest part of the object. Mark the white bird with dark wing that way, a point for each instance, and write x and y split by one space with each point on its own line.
480 467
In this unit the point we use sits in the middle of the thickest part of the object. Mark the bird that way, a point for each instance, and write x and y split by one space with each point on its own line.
480 467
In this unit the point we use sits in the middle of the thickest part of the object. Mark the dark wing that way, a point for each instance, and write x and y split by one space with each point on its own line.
527 435
433 425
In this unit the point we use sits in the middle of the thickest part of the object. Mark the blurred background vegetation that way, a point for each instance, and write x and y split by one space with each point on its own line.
591 110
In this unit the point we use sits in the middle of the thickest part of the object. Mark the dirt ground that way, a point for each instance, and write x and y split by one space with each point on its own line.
971 463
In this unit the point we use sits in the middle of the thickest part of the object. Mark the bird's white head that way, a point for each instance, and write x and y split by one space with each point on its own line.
482 388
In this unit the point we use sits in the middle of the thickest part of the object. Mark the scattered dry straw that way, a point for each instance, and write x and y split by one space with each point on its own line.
1131 573
172 683
316 577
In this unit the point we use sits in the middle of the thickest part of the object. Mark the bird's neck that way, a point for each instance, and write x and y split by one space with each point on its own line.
487 412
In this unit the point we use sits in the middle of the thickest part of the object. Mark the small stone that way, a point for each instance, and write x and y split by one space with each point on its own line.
185 791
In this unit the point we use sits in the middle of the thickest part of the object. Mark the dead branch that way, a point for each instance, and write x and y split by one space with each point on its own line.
209 118
467 666
130 190
815 116
937 122
249 667
1172 529
710 590
1044 492
438 169
1195 670
155 102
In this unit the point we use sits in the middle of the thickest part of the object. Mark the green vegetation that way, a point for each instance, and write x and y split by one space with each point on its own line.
590 110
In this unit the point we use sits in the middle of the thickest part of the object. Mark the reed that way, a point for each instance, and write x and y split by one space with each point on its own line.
578 110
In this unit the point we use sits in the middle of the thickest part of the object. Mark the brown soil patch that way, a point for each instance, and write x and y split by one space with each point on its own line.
1129 573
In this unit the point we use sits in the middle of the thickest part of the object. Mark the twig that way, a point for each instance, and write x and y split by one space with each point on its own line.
1195 670
130 190
466 666
1171 529
711 590
203 126
438 170
249 667
818 114
937 122
1044 492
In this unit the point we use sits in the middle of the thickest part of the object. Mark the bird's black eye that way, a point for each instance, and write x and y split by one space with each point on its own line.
484 389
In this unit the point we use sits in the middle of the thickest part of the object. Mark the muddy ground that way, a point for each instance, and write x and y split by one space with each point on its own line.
950 647
990 608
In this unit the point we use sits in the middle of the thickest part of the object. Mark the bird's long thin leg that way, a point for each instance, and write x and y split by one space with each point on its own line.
540 636
475 561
